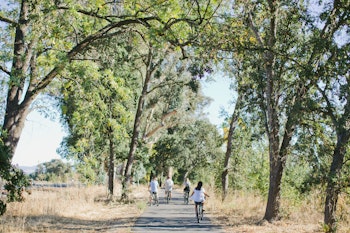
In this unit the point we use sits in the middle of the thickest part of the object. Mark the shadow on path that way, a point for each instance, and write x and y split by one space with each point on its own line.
173 217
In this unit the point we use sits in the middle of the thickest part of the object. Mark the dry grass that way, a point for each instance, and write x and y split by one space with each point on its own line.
71 210
67 210
243 212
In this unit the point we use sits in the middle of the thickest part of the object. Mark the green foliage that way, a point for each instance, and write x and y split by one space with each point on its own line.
139 172
97 107
91 171
297 181
14 178
101 84
249 168
191 148
55 171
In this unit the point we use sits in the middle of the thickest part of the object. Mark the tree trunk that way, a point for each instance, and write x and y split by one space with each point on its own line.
111 165
333 186
14 123
136 129
274 196
233 123
132 150
272 128
269 105
17 111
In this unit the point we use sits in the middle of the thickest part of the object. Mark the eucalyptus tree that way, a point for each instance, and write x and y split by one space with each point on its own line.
233 123
170 150
165 98
194 148
42 38
97 111
97 108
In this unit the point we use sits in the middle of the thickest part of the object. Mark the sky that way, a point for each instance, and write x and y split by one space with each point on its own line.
41 136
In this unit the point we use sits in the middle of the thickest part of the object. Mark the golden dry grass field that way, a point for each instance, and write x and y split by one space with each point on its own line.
242 213
86 209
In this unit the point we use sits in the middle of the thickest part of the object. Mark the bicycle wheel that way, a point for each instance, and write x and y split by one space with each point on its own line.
200 212
155 199
198 215
152 201
186 198
168 197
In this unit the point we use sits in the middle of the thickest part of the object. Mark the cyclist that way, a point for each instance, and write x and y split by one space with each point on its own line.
153 186
198 195
168 186
187 189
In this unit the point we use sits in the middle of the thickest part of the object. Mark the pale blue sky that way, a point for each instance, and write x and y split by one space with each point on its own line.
41 137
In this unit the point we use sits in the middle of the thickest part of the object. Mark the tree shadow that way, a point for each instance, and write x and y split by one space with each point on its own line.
240 221
52 223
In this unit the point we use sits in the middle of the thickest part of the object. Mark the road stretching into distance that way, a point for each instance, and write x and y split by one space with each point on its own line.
174 217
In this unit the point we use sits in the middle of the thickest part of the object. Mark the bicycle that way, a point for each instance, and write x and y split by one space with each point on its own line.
200 212
186 197
168 193
154 199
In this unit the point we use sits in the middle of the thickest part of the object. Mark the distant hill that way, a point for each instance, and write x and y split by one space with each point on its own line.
28 169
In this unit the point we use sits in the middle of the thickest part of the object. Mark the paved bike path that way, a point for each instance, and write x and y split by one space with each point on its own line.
173 217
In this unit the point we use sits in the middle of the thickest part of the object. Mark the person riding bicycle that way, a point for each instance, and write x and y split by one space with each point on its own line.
168 186
187 185
153 186
187 190
198 195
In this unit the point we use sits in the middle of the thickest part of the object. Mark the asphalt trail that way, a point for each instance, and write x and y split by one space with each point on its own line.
173 217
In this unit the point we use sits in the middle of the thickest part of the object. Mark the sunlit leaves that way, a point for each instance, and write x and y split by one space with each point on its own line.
96 102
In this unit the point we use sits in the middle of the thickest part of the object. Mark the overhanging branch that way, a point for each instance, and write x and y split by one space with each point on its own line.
7 20
2 68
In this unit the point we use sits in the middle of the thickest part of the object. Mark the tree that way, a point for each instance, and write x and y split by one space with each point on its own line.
48 35
98 118
12 177
164 83
55 170
291 56
191 148
333 100
233 122
278 91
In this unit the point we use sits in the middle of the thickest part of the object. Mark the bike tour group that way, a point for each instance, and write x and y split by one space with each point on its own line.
198 194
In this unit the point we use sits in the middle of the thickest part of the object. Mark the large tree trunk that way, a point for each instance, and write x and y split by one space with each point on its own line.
14 122
136 129
274 196
278 158
133 146
272 128
333 186
269 106
17 111
233 123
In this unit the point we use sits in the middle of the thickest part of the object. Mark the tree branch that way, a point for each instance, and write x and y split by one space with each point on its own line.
2 68
7 20
161 124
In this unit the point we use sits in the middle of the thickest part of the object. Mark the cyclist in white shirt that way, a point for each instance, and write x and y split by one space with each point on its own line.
168 186
153 186
198 195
